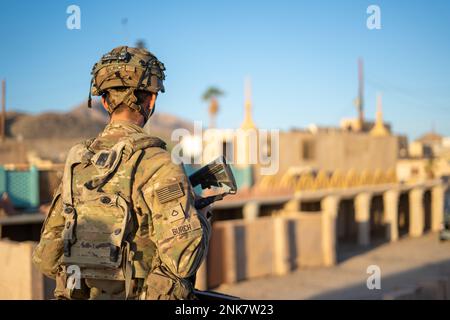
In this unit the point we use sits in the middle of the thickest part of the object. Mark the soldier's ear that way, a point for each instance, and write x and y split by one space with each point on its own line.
104 103
153 99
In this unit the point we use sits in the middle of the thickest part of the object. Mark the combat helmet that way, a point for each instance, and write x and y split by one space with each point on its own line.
127 70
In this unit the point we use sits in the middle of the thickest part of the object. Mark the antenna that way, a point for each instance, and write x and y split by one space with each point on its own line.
125 29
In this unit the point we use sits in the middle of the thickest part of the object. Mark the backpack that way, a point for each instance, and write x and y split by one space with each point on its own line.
99 224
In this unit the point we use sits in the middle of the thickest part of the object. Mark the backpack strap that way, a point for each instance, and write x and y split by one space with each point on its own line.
140 141
77 154
106 161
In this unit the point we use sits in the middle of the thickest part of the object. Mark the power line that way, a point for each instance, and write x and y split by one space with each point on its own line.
405 93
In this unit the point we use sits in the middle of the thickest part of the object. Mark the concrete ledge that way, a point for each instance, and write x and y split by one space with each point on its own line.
19 280
247 249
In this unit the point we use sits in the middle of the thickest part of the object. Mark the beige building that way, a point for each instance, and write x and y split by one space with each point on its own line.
417 149
310 150
432 141
428 157
414 170
334 149
367 147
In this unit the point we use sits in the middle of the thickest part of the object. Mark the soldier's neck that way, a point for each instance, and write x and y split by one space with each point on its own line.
137 120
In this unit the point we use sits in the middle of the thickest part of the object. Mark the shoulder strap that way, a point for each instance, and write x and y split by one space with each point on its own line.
140 141
79 153
107 161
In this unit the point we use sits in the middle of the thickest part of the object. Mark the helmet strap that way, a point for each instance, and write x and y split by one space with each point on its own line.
90 94
109 105
131 101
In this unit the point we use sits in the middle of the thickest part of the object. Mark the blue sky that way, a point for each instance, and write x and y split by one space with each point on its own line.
301 55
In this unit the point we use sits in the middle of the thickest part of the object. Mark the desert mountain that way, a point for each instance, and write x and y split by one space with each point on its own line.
50 134
81 122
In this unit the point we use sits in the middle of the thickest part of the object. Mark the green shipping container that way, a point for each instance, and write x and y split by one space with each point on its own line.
21 186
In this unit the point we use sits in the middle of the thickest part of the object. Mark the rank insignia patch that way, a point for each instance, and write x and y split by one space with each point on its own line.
176 213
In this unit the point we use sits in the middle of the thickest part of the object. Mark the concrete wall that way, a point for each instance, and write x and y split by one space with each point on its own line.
338 150
239 250
274 245
18 278
261 246
242 249
12 151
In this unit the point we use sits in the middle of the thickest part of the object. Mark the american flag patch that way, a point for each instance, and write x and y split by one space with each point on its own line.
170 192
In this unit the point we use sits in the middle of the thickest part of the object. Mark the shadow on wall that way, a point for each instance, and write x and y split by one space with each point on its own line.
347 229
427 210
241 254
403 215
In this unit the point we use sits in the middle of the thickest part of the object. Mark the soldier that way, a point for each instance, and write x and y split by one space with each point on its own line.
122 224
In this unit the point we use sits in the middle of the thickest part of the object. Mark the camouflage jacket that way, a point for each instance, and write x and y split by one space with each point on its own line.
170 236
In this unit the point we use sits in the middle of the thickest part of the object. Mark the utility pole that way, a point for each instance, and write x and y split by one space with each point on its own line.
3 120
360 105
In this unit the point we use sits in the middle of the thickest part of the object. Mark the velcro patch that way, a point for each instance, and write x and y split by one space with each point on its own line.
184 229
170 192
176 213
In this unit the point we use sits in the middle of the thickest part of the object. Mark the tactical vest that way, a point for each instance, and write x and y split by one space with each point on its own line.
99 220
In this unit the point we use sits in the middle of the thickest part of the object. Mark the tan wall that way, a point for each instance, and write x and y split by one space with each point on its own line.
442 166
338 150
347 151
19 280
12 151
412 170
241 249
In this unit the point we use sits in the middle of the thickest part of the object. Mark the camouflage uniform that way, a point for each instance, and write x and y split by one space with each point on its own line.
170 237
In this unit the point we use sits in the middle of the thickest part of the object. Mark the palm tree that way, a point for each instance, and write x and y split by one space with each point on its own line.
211 94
